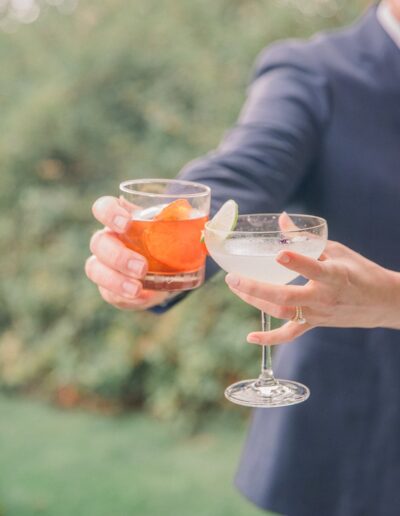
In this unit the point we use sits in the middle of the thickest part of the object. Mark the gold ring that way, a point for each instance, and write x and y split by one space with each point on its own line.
299 317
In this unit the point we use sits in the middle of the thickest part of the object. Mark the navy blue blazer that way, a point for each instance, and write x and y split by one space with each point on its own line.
321 127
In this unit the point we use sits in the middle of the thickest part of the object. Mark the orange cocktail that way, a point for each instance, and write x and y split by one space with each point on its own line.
168 234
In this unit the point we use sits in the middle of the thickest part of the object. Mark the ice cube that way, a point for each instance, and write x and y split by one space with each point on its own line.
148 213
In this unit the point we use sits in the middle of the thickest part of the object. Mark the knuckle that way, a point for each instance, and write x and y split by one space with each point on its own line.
261 292
333 245
336 249
340 273
252 291
318 271
101 275
106 278
110 298
339 246
247 286
106 295
108 251
116 257
282 312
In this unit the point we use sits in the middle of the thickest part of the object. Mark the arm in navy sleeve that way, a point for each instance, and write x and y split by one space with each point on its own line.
264 158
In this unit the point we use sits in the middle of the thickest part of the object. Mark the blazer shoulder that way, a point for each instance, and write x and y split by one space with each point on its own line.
321 53
294 54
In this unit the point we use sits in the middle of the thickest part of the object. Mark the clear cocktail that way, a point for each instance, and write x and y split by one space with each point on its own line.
256 257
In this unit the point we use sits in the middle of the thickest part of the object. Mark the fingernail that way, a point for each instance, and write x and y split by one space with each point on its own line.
253 339
121 222
283 258
232 280
137 267
130 288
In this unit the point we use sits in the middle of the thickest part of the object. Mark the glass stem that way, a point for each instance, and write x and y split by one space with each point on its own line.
267 374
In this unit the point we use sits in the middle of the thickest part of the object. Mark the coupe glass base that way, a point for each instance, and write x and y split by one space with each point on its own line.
282 393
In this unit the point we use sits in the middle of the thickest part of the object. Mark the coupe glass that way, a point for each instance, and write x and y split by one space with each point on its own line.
167 220
250 250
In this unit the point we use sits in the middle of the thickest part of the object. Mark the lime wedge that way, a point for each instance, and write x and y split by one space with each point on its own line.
225 219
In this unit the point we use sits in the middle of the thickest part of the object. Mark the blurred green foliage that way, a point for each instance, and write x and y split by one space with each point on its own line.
119 89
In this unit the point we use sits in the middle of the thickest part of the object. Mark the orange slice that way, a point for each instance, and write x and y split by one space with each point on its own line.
176 210
178 247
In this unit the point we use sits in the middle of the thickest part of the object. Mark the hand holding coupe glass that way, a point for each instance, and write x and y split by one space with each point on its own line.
345 290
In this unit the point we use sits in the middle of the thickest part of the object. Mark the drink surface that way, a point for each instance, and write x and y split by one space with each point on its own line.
168 237
255 257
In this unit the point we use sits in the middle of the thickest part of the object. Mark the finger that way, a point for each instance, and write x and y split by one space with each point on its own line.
109 212
280 312
109 250
112 280
307 267
284 334
146 299
336 250
288 295
288 227
286 223
127 205
118 301
331 248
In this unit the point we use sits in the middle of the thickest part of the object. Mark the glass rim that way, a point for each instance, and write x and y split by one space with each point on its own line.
321 224
124 187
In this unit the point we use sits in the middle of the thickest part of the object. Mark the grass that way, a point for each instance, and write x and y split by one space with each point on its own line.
55 463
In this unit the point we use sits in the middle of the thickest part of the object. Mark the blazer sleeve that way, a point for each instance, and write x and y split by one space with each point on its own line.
262 161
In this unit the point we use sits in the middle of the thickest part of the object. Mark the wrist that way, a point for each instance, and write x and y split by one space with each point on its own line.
168 302
391 313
